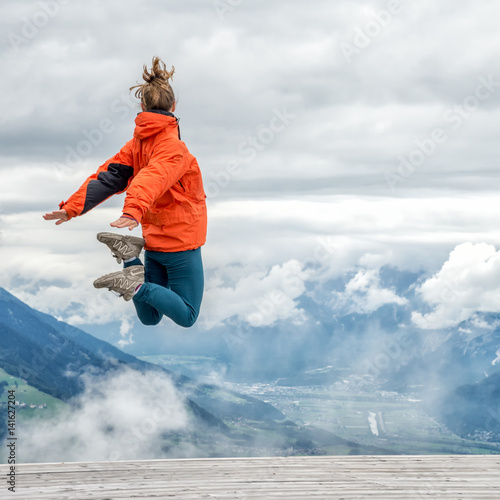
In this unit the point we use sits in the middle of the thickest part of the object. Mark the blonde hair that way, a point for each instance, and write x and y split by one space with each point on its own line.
156 92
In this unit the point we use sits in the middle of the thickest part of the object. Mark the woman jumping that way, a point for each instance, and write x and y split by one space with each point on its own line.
165 195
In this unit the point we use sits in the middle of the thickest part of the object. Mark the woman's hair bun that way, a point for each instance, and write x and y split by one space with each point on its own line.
158 71
156 92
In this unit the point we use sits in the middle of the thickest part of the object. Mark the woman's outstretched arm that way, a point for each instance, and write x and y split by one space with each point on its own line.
111 178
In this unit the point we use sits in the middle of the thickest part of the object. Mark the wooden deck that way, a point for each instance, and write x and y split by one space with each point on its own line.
466 477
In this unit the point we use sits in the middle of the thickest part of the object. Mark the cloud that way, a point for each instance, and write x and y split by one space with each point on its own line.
260 298
467 283
497 359
322 177
252 245
120 416
363 294
392 93
125 331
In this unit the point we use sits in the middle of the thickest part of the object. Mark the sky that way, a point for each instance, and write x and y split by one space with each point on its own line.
334 138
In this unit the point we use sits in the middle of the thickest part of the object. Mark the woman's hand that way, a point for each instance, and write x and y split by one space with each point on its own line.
123 222
59 215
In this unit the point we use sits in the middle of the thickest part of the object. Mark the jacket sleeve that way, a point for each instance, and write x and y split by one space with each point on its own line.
111 178
166 166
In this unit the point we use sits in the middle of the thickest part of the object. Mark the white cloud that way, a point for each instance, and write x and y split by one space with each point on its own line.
321 178
260 298
363 294
497 359
126 333
119 416
394 92
52 267
467 283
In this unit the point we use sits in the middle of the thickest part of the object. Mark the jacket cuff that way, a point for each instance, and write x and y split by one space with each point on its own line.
133 213
127 216
71 213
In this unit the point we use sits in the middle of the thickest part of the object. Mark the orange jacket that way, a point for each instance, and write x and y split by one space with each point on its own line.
163 184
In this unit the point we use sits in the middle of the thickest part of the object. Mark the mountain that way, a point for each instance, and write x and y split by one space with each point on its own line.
343 331
460 359
51 355
472 410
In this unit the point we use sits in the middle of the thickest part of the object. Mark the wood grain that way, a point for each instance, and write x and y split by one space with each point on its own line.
466 477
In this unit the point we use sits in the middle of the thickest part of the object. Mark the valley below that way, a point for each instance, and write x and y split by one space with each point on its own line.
348 417
354 409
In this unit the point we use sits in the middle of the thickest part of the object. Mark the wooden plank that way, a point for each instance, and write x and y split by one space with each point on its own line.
471 477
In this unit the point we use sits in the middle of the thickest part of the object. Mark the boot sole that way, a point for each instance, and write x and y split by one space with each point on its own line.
100 282
120 237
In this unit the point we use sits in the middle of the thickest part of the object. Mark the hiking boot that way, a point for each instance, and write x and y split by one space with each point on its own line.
124 282
122 247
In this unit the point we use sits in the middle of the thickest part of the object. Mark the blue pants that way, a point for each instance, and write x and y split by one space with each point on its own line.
173 287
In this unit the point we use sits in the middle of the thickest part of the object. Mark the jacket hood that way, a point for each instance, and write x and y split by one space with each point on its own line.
150 123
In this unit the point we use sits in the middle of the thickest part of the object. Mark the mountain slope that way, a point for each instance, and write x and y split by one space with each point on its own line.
473 409
461 359
51 355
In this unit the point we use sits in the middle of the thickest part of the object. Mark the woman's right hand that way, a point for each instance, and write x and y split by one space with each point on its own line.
59 215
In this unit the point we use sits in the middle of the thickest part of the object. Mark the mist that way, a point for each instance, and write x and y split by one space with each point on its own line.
122 415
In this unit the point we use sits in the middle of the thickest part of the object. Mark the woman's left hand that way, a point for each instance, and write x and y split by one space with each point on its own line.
123 222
